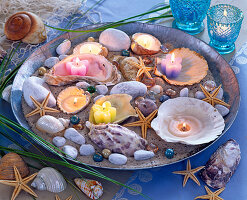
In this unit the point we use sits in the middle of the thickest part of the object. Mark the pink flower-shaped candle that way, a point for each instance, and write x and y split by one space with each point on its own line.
77 67
171 66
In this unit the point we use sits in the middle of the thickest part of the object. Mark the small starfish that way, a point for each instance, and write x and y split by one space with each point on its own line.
189 173
212 195
212 98
58 198
20 184
41 108
142 69
144 122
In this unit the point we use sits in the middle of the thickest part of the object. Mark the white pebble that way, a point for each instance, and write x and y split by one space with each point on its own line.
200 95
97 97
59 141
82 85
117 159
157 89
101 89
6 93
87 150
222 110
143 155
63 48
184 92
61 57
74 136
71 152
50 62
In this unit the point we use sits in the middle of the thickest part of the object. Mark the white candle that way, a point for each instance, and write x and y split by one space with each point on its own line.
90 48
145 40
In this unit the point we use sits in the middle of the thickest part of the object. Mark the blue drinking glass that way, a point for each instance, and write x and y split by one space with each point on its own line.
189 14
224 24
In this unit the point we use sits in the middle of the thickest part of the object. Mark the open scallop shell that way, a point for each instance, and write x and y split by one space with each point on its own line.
100 71
140 50
122 104
72 92
194 67
211 123
103 52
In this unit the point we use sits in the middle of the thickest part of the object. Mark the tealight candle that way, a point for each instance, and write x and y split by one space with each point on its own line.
77 67
90 47
105 113
171 66
145 40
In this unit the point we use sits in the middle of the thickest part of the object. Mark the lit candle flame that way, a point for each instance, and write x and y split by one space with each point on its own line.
225 12
172 58
75 100
184 125
77 60
145 41
90 48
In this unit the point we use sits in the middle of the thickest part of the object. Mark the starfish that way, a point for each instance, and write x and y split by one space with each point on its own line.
144 122
189 173
211 195
20 184
41 108
212 98
142 69
58 198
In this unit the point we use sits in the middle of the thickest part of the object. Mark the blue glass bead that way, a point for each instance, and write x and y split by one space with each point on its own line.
97 157
125 53
164 98
169 153
91 89
74 119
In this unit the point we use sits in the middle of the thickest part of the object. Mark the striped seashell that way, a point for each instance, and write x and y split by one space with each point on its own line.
93 189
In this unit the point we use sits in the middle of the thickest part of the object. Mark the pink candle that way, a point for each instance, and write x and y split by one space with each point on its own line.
77 67
171 66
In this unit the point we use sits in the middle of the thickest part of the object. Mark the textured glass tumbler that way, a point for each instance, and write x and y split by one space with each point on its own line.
224 24
189 14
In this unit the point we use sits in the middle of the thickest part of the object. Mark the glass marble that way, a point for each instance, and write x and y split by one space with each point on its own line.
91 89
74 120
169 153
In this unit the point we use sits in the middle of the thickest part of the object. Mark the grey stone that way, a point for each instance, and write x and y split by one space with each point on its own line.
101 89
199 95
74 136
117 159
87 150
50 62
63 48
222 110
184 92
143 155
71 152
132 88
61 57
59 141
82 85
97 97
157 89
6 93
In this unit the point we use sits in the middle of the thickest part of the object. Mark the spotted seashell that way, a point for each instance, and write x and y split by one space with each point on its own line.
93 189
49 179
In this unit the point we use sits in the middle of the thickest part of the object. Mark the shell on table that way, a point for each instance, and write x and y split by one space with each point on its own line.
7 164
50 124
49 179
100 70
117 138
128 70
205 122
93 189
122 104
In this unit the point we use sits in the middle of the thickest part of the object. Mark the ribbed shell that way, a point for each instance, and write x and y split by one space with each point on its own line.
49 179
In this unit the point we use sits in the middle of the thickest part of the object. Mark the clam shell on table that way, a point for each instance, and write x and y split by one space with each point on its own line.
122 104
100 70
49 179
129 71
207 125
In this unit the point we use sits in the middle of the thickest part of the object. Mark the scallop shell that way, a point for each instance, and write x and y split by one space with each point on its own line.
49 179
75 92
100 71
140 50
93 189
122 104
103 52
129 71
210 123
49 124
7 163
194 67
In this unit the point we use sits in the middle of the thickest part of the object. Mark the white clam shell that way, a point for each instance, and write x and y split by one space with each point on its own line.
211 123
49 124
49 179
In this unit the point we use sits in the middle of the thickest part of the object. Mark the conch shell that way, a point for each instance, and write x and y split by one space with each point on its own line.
93 189
202 122
25 26
49 179
100 70
122 104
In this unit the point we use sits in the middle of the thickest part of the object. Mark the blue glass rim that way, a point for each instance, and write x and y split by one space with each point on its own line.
241 17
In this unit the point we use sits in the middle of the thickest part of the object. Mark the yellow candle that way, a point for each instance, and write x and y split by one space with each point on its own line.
105 113
90 47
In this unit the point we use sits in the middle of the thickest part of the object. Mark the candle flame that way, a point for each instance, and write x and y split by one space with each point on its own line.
145 41
225 12
172 58
90 48
184 125
75 100
77 60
